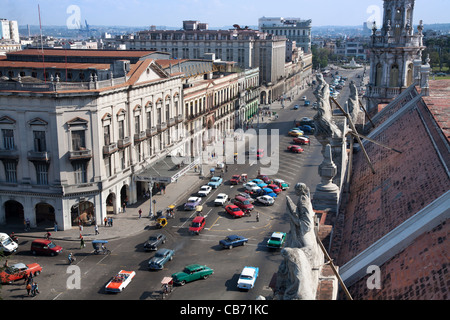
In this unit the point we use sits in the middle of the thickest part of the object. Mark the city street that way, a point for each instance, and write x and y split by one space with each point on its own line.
86 279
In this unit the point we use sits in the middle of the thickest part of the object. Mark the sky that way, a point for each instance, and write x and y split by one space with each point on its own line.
216 13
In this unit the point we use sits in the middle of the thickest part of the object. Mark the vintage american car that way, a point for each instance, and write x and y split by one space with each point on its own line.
248 278
251 186
260 183
266 200
303 140
154 241
192 203
190 273
198 224
221 199
294 148
275 188
235 179
281 183
232 241
120 281
276 240
18 271
234 211
160 258
215 182
204 191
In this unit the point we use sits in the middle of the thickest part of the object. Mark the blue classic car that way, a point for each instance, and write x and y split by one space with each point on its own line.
248 278
233 241
160 258
215 182
192 203
260 183
269 192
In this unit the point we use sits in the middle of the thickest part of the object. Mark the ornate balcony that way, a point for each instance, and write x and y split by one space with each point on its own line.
82 154
39 156
110 149
179 118
171 122
141 136
161 127
151 132
9 154
123 143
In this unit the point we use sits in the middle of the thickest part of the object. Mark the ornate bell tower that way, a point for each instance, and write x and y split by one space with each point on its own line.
393 50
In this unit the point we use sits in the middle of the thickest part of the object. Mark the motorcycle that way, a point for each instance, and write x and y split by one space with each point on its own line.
71 258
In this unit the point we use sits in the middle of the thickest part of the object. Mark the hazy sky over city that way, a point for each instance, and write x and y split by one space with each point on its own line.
216 13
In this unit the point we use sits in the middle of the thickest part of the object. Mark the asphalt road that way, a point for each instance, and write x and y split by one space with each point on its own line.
87 278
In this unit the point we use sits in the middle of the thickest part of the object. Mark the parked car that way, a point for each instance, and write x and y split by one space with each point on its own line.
260 183
233 241
191 273
7 245
275 188
221 199
295 133
294 148
192 203
160 259
198 224
266 200
246 196
235 179
154 241
269 192
215 182
281 183
234 211
304 98
251 186
120 281
307 129
243 203
296 107
44 246
248 278
264 178
307 103
301 140
276 240
204 191
18 271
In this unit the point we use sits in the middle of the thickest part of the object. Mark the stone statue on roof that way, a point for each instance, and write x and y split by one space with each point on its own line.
353 103
323 120
298 274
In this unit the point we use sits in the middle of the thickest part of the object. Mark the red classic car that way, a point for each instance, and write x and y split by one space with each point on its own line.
295 148
198 224
234 211
236 179
275 188
18 271
301 140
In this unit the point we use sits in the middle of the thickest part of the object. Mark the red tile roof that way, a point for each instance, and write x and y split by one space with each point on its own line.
439 103
83 53
403 184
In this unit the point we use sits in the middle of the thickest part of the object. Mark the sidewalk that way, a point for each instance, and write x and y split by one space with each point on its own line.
127 223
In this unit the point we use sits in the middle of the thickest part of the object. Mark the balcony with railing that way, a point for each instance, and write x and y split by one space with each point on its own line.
110 149
9 154
141 136
171 122
123 143
179 118
39 156
151 131
161 127
82 154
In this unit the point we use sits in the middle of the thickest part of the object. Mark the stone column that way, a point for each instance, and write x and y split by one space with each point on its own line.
326 196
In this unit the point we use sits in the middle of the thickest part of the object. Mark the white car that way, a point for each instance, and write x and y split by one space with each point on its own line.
247 278
251 186
266 200
221 199
304 98
204 191
120 281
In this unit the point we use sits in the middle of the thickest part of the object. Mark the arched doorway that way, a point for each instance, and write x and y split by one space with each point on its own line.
13 212
124 195
45 213
111 203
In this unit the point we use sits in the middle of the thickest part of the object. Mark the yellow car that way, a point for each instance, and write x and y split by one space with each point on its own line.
295 133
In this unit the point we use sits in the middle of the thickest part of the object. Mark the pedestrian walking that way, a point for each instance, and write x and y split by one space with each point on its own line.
106 221
140 213
82 244
124 207
96 230
55 226
111 221
34 289
28 287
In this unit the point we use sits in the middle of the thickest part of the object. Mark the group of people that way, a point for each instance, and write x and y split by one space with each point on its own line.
31 286
108 221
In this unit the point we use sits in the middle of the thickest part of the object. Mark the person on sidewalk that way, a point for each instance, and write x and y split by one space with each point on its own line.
140 213
82 244
96 230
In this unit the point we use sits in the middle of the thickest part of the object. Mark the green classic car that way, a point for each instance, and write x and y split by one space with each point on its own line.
283 185
277 240
192 272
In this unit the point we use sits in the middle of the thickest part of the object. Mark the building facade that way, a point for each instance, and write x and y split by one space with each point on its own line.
294 29
71 150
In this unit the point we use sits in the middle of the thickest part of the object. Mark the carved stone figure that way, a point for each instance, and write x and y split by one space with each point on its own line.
325 126
298 274
353 103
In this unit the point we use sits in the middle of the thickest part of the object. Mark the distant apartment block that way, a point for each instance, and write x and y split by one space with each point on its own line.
9 30
294 29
